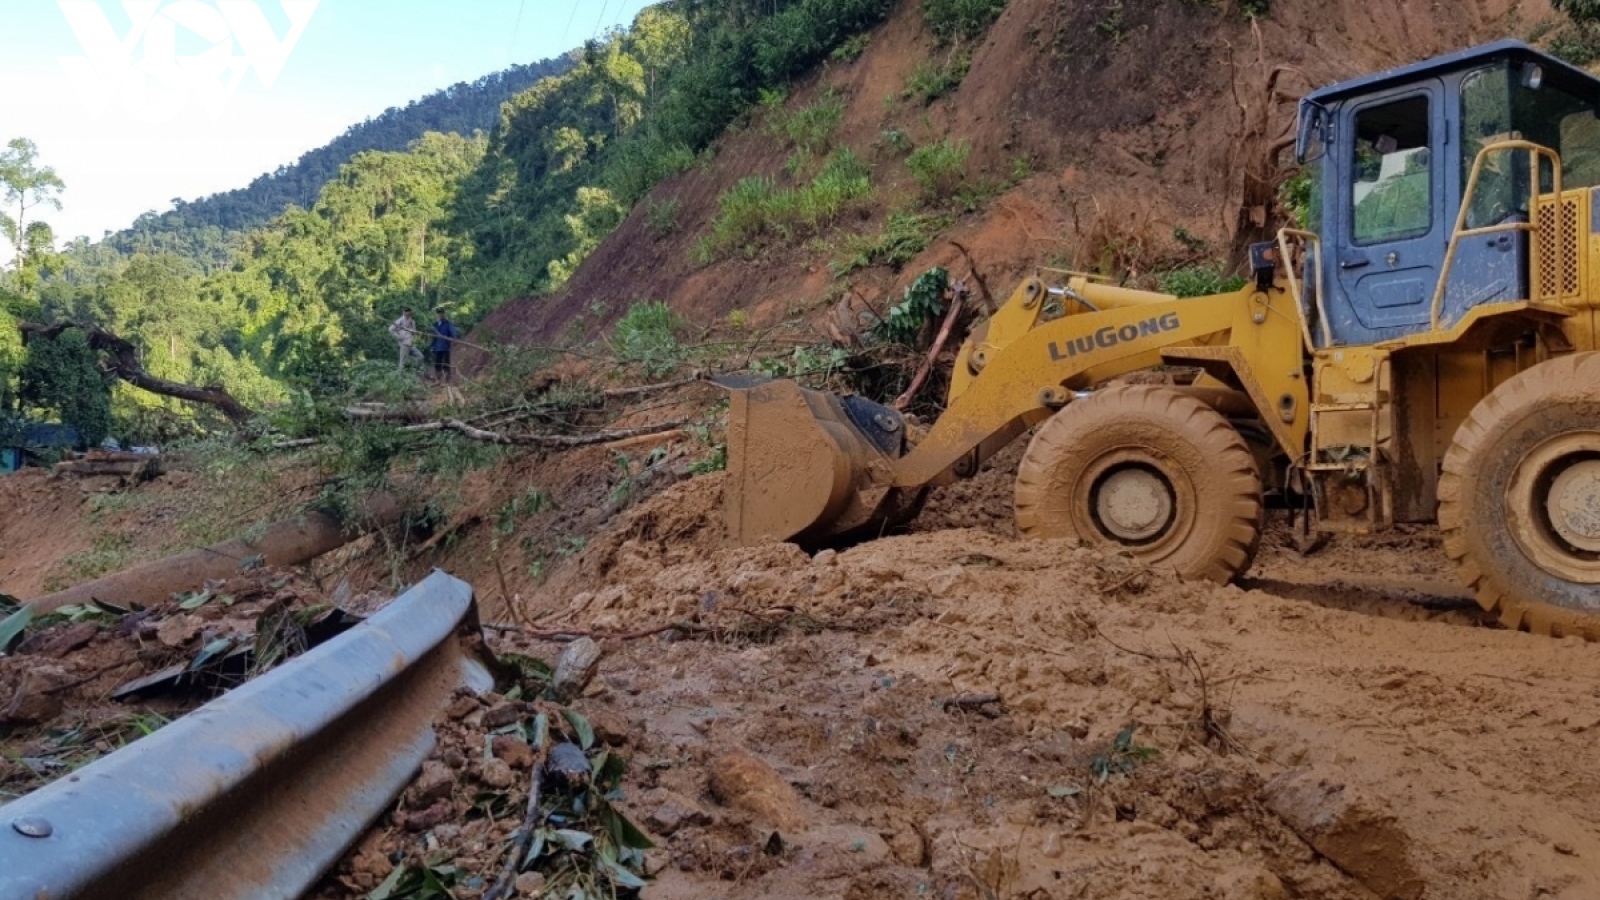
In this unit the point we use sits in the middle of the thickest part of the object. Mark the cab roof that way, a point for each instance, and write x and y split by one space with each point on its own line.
1557 72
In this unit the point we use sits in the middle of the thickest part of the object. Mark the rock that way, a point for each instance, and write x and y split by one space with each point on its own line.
434 784
462 707
432 817
514 750
670 811
826 557
179 630
67 640
453 758
834 851
37 697
908 847
1249 884
1354 831
610 726
495 773
503 714
575 669
529 884
743 782
567 765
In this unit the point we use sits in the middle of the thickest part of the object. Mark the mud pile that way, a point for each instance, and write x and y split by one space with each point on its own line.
1146 736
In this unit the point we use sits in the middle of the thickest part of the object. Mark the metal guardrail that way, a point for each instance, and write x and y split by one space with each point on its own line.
257 793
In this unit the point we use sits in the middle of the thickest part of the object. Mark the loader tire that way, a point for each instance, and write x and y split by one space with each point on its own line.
1519 499
1148 470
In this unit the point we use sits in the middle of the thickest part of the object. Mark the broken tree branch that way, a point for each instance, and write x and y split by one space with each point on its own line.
950 317
563 441
121 358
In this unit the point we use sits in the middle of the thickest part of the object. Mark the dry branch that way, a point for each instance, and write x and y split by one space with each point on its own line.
563 441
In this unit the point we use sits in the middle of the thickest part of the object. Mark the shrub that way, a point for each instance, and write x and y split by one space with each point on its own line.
756 207
852 48
939 168
904 236
662 216
1199 281
923 303
648 337
958 20
810 128
930 80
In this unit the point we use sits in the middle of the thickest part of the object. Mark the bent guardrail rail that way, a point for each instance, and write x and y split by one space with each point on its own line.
257 793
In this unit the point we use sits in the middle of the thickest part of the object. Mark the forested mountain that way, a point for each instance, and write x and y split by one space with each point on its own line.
459 109
465 219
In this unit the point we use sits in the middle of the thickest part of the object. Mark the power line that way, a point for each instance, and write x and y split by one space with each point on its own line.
567 32
516 28
598 22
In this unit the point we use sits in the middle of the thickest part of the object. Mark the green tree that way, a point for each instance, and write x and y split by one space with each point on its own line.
62 376
26 185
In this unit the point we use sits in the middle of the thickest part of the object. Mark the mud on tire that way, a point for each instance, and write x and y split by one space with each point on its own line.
1505 459
1149 470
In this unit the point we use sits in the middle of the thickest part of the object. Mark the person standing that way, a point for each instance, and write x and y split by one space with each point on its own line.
404 332
444 334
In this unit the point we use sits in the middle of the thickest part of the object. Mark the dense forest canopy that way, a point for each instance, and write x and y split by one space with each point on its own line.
458 217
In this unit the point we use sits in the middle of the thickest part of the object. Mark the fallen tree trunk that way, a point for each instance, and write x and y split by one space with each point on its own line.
285 543
121 358
563 441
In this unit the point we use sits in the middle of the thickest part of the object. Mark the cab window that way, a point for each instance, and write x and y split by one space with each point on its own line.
1391 185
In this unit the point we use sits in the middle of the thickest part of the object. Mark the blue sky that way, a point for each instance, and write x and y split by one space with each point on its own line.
122 152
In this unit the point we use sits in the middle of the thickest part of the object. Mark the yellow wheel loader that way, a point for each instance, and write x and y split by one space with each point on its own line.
1426 353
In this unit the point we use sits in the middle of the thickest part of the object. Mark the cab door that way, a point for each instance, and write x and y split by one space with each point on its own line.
1393 232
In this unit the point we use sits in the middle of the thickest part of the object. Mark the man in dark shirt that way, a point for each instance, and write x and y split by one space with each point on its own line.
444 334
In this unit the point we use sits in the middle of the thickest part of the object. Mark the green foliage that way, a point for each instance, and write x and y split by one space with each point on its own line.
648 337
923 304
1122 757
662 216
756 208
1579 10
821 361
939 168
62 377
931 80
1199 281
904 236
960 20
1297 198
716 462
1577 42
1255 9
809 128
852 48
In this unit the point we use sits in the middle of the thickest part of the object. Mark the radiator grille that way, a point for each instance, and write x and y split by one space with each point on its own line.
1556 261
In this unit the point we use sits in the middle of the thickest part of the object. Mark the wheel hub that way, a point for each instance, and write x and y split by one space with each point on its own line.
1574 505
1553 506
1134 504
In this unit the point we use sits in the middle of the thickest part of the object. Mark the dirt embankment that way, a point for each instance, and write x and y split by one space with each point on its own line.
1143 128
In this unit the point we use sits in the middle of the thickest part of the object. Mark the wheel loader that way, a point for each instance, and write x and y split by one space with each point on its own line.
1425 350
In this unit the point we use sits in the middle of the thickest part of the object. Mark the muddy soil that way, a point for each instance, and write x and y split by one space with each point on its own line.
963 714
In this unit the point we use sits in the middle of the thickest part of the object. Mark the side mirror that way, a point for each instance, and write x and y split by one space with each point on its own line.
1310 129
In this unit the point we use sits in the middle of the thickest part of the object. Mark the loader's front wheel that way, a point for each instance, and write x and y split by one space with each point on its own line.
1150 470
1519 499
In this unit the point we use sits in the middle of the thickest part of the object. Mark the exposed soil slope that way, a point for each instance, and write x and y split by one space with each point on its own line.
1135 119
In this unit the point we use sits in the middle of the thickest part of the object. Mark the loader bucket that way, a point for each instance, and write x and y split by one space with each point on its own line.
801 463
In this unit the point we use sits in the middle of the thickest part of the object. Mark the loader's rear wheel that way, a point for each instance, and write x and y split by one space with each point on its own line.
1150 470
1519 499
